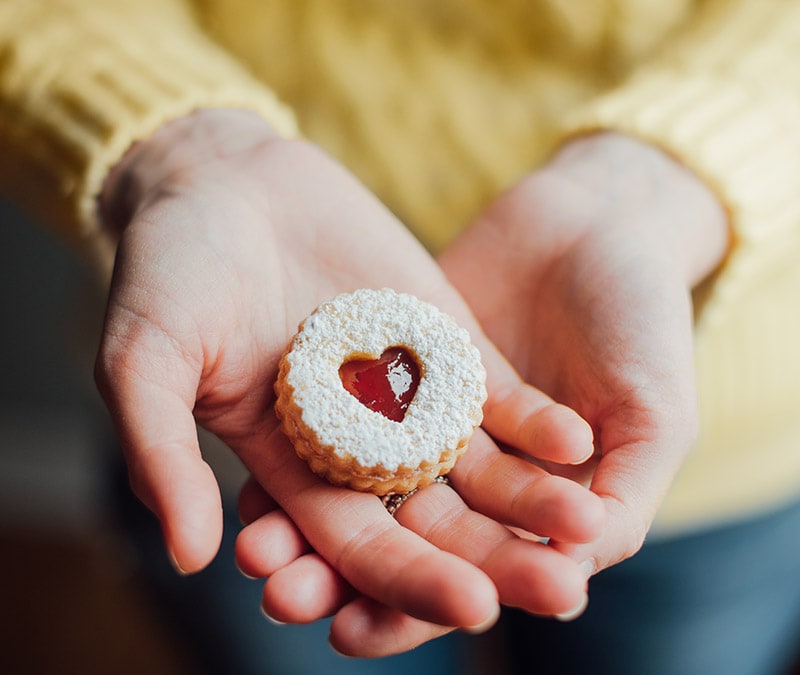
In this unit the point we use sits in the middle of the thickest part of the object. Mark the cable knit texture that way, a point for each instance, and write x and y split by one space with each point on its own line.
438 107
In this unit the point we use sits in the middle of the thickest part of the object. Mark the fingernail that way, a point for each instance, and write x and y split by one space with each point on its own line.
486 624
243 573
576 611
587 567
337 652
582 460
175 565
271 619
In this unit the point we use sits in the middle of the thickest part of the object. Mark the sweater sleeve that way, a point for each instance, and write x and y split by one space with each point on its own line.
81 80
724 98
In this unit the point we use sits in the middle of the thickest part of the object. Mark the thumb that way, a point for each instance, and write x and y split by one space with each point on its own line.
632 481
525 418
150 391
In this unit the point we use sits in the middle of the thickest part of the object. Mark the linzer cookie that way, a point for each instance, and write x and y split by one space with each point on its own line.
380 392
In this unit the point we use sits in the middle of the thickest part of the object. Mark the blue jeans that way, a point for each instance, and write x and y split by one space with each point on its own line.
720 602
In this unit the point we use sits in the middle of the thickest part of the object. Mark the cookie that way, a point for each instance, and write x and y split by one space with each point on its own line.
379 391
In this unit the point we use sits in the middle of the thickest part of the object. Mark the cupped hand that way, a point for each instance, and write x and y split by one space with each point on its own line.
581 275
229 236
302 586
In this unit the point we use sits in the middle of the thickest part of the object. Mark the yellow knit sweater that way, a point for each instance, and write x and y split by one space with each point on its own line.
438 106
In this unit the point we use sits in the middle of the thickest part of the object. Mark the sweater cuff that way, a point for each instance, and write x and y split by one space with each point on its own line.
106 137
65 143
742 142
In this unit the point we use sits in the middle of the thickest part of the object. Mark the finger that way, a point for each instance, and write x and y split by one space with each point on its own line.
527 574
269 544
516 492
526 419
356 535
306 590
365 628
517 413
143 391
254 502
632 481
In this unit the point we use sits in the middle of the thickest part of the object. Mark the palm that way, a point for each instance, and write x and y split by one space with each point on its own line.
271 275
600 322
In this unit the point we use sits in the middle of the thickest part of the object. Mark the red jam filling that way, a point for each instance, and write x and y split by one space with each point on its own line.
385 385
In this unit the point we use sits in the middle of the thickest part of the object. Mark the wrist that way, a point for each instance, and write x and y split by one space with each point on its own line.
175 149
630 184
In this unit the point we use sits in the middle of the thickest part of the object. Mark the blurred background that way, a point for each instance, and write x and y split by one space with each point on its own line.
72 599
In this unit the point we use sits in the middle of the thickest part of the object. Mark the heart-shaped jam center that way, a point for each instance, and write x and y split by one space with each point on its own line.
385 385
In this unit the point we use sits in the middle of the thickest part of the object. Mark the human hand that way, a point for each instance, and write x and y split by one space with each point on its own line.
229 236
302 586
581 275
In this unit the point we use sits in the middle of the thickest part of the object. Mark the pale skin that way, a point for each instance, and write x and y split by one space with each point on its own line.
229 236
592 304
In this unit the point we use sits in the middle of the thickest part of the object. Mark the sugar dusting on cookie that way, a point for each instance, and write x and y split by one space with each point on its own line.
352 444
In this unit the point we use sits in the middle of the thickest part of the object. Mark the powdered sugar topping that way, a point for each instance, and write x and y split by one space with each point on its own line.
448 402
